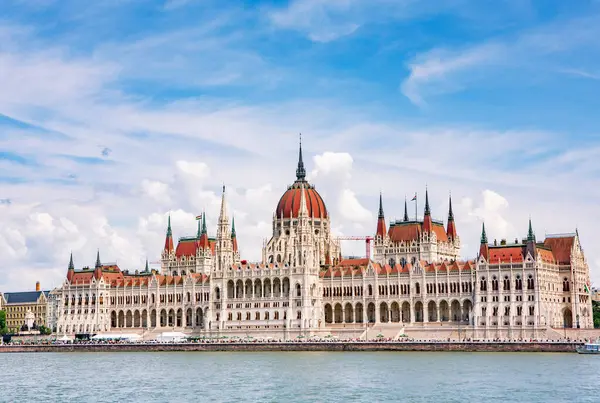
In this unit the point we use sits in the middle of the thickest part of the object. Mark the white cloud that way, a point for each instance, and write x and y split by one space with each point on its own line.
443 70
173 158
156 190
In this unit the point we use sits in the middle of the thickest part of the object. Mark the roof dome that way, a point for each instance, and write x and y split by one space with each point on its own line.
289 204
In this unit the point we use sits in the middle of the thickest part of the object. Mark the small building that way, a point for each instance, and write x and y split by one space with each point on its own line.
17 304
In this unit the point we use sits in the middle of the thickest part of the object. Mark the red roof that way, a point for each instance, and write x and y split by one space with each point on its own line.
289 204
410 231
561 248
506 254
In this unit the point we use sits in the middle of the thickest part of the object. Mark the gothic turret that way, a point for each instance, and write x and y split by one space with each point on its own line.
451 228
223 244
71 269
381 230
169 238
98 263
531 241
233 236
483 247
427 223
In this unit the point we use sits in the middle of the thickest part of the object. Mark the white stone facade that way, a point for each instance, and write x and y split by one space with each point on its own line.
413 283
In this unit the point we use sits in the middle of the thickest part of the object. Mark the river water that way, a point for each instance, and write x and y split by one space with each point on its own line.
299 377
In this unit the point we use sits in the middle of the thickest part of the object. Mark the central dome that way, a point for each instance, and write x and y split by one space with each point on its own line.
289 204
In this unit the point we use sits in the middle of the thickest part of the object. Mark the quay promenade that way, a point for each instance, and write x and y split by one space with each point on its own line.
458 346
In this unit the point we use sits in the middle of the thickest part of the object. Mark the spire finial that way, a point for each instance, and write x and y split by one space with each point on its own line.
233 226
427 210
450 213
381 205
204 231
147 268
200 219
484 239
300 171
98 263
71 265
169 233
530 234
405 210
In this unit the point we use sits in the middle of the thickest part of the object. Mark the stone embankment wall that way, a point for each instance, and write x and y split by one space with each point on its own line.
341 346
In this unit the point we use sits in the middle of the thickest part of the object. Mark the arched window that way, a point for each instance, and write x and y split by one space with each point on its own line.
402 262
298 290
392 262
506 283
370 290
530 282
518 283
494 284
417 288
566 285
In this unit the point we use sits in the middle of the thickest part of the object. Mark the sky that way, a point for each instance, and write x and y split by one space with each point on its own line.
116 113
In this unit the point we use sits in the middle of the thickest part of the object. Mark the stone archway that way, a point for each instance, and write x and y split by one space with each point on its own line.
567 318
328 314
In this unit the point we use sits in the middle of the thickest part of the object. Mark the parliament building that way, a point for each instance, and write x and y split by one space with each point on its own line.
415 283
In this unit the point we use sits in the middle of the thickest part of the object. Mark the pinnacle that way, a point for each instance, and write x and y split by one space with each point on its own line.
300 171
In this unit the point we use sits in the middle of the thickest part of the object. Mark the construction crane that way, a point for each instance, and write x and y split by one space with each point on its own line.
367 240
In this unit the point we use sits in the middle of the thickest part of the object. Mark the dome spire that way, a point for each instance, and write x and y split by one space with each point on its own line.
300 171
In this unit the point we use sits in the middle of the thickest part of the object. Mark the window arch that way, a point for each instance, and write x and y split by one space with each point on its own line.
483 284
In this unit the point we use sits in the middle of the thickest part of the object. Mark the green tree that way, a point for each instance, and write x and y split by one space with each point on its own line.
596 310
3 329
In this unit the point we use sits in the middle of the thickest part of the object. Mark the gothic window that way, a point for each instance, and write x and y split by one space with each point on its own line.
370 290
417 288
531 310
257 316
483 284
566 285
494 284
402 262
392 262
530 282
518 283
506 283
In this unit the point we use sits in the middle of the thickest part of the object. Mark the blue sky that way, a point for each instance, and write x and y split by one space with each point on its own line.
115 113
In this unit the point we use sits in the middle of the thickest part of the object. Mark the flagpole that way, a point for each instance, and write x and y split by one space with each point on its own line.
416 203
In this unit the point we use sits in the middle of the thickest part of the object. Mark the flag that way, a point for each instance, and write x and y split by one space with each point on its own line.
585 287
414 198
198 217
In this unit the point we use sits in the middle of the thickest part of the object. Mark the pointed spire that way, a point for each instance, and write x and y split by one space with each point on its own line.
147 269
300 171
484 239
169 237
530 234
223 213
204 231
381 230
451 228
427 210
303 210
98 263
200 221
405 210
233 227
71 265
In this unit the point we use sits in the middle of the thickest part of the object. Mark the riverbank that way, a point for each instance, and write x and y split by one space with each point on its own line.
529 347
